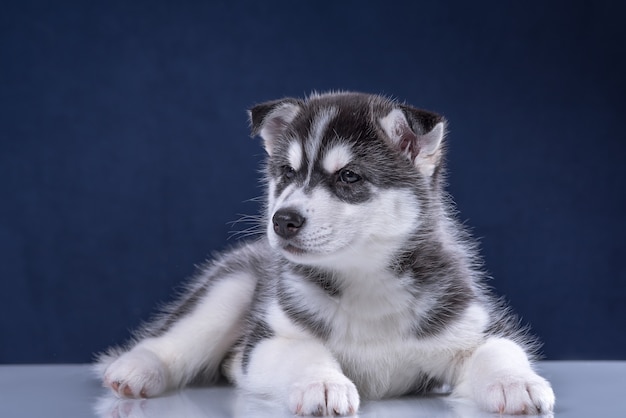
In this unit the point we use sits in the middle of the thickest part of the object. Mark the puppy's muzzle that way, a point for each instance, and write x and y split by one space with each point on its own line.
287 223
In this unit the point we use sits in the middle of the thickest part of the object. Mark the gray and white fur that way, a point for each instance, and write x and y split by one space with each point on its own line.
364 285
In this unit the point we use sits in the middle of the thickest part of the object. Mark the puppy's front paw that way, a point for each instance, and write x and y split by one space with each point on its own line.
331 396
512 393
138 373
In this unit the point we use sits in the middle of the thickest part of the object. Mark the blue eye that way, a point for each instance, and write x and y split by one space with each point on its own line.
348 176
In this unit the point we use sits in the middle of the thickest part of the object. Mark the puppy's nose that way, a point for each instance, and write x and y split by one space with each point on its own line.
287 223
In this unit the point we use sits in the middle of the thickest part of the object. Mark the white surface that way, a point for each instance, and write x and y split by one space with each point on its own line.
583 389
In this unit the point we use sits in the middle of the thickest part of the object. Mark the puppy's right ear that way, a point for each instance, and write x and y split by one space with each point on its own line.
271 119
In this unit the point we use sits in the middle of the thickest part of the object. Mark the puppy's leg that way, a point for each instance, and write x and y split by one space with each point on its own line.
499 377
301 373
193 343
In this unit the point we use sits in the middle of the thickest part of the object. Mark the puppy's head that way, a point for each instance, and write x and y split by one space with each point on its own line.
348 175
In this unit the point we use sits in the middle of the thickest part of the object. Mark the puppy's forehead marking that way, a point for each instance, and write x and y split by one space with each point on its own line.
337 157
316 134
295 155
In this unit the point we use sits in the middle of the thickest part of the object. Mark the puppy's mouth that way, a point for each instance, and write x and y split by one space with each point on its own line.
292 249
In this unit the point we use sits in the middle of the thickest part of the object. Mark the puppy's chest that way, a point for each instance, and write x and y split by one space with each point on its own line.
371 316
368 310
374 340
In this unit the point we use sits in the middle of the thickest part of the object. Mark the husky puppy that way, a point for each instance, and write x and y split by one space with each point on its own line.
364 284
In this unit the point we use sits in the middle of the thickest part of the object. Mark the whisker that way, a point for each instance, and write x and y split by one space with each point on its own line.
245 219
256 226
255 199
246 233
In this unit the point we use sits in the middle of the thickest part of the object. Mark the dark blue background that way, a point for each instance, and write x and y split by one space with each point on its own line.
125 151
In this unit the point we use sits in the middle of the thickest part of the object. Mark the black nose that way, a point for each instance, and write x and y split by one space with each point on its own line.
287 223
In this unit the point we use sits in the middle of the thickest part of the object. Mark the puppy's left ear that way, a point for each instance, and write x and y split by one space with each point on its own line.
418 134
270 120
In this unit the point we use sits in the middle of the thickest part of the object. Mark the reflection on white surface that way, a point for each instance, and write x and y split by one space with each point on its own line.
220 402
583 389
215 402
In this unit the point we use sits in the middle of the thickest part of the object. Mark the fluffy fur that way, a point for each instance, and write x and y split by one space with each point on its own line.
364 284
